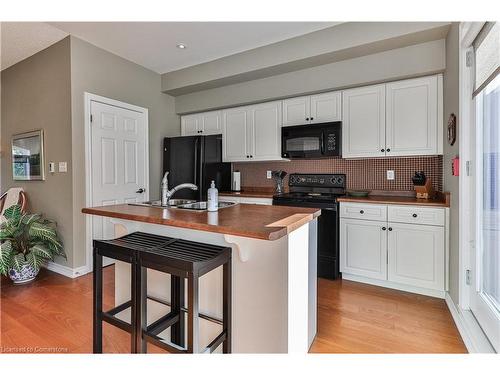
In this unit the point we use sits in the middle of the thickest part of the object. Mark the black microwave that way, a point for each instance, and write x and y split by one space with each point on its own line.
311 141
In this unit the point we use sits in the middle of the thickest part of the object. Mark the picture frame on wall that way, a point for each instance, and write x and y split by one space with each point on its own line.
27 156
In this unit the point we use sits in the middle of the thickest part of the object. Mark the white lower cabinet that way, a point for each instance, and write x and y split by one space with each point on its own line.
363 248
416 255
406 250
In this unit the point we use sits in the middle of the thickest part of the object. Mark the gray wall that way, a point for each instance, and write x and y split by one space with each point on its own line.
415 60
100 72
451 105
36 94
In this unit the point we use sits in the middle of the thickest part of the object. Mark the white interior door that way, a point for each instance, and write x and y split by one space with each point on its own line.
485 255
119 161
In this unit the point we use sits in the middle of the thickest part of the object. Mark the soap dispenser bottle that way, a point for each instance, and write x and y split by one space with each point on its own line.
213 198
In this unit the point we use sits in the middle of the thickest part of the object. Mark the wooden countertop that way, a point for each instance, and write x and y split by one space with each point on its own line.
246 194
441 200
245 220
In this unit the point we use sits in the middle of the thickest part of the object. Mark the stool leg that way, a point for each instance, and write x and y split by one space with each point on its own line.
226 305
142 310
193 345
134 287
177 331
97 302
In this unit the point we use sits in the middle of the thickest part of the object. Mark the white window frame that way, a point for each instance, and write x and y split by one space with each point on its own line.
471 332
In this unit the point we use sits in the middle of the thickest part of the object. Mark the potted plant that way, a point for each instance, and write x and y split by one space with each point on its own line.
27 241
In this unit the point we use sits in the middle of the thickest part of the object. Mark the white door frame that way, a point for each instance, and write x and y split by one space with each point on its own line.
470 330
88 99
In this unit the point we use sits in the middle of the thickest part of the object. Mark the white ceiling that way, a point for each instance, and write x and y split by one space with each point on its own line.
153 44
20 40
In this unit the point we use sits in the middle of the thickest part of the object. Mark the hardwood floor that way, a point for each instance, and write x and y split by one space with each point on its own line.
54 314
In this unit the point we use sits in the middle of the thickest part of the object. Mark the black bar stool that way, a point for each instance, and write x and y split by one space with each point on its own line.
182 260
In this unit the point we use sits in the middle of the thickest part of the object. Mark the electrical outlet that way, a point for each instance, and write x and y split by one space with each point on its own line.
269 175
390 175
63 167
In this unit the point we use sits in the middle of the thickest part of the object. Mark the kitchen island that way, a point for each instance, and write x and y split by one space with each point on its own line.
273 270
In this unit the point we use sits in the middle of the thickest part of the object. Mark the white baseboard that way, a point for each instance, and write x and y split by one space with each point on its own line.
393 285
473 336
67 271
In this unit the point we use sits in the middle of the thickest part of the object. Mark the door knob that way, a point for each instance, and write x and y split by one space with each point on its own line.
140 191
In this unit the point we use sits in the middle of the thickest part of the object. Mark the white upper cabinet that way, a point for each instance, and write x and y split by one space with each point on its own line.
205 123
312 109
326 107
296 111
412 117
235 130
252 133
403 118
363 126
190 124
211 123
266 131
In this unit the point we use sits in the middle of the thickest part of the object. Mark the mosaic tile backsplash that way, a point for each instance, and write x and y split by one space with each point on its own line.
362 174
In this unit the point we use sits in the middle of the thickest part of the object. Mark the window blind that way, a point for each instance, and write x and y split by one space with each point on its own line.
487 55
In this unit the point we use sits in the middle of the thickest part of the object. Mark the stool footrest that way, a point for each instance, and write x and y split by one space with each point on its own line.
111 319
119 308
159 342
215 343
163 323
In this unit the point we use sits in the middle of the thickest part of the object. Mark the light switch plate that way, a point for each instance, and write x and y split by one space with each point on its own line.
63 167
269 175
390 175
52 167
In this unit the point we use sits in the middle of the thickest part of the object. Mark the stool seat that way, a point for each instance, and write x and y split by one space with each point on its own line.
182 259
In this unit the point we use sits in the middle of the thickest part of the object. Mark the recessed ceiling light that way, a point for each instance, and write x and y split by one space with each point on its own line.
181 46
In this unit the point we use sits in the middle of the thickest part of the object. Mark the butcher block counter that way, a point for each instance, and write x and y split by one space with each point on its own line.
440 200
274 269
246 220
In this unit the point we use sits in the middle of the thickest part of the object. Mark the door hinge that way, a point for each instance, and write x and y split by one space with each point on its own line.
467 277
468 171
91 118
468 58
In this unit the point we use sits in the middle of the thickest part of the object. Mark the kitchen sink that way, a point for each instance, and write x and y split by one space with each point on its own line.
202 206
171 203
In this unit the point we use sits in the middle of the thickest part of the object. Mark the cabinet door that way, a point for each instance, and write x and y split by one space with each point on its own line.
412 117
190 124
296 111
266 131
235 129
363 248
326 107
363 124
211 123
416 255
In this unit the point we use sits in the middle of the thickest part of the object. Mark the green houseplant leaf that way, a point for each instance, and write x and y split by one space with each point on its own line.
27 239
13 212
5 257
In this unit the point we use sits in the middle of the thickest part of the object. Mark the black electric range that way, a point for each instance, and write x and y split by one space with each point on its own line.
319 191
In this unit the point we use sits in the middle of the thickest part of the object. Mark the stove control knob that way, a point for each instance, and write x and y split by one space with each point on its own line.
340 180
333 180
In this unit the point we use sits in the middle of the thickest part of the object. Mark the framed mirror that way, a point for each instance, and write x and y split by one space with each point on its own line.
27 156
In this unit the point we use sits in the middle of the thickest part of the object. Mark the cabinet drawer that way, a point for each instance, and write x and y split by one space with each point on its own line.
416 215
363 211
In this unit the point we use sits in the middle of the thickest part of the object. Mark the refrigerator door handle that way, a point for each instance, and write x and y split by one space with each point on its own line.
196 162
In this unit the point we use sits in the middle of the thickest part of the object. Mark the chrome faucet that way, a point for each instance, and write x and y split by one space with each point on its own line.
167 194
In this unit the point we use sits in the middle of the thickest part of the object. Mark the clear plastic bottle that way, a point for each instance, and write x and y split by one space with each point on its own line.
212 198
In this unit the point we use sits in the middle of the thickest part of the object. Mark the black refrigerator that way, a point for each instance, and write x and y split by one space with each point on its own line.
198 160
